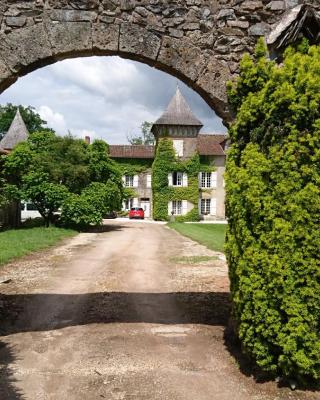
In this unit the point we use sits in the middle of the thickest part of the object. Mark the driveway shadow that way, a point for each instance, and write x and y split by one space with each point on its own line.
41 312
8 390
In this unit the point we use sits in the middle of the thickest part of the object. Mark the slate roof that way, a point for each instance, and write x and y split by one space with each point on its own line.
17 133
211 145
178 112
208 145
131 151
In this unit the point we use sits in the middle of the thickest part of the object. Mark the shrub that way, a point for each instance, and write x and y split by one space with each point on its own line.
273 206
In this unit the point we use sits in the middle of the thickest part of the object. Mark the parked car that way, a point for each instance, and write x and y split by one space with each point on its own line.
136 213
111 215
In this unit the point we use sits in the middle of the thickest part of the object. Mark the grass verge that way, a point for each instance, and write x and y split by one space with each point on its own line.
19 242
210 235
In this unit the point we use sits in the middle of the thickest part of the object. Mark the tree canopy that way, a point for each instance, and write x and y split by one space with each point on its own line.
145 138
273 207
51 171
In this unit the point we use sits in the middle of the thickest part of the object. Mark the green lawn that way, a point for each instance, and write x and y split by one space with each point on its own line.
19 242
210 235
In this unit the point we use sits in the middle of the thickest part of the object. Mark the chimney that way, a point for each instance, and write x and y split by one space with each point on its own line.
87 139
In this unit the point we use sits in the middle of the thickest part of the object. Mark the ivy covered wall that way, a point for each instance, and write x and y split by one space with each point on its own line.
166 162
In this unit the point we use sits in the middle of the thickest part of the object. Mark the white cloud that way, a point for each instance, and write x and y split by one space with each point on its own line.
55 120
108 97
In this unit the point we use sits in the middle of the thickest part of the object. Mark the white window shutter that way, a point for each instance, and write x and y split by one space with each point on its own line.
200 180
169 207
213 207
136 181
184 207
123 206
149 181
170 179
135 202
214 179
124 180
185 180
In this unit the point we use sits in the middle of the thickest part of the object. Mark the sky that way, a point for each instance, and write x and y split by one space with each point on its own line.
103 97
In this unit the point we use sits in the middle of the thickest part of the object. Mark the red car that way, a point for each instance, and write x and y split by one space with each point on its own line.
136 213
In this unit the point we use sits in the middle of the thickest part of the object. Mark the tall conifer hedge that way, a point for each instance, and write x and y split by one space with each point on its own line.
273 206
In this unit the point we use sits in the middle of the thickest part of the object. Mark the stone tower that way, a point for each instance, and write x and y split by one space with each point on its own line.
180 124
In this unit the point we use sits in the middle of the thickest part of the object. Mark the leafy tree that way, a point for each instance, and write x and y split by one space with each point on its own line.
273 207
32 119
92 204
47 169
48 197
146 137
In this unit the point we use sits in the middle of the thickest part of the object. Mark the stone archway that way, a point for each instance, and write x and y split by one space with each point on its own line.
199 41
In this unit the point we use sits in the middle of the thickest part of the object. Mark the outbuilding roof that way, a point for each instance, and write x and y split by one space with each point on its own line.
16 134
178 112
131 151
208 145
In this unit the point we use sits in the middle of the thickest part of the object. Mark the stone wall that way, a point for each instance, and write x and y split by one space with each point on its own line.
199 41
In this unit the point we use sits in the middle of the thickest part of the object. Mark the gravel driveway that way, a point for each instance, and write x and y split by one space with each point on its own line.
122 314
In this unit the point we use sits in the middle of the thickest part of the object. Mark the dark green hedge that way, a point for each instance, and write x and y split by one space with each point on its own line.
273 206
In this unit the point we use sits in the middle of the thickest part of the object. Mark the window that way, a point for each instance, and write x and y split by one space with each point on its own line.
178 147
205 206
177 179
128 204
208 180
177 207
128 181
205 179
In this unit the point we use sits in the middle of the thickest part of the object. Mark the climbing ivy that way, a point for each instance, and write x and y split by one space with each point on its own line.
166 162
134 166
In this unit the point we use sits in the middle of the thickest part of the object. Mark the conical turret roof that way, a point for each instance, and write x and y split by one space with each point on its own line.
16 134
178 112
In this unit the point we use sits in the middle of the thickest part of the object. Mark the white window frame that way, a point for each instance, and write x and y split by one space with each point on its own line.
128 181
205 206
177 207
208 180
178 147
179 180
128 204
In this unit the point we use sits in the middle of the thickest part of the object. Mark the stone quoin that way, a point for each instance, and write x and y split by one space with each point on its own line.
199 41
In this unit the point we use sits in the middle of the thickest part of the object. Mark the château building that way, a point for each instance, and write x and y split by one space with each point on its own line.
179 124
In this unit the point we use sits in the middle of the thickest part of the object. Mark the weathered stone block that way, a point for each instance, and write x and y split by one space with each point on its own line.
105 36
214 78
227 13
16 21
251 5
137 40
259 29
4 71
276 5
73 15
25 46
182 56
68 37
238 24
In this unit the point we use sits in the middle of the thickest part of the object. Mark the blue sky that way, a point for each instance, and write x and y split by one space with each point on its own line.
103 97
